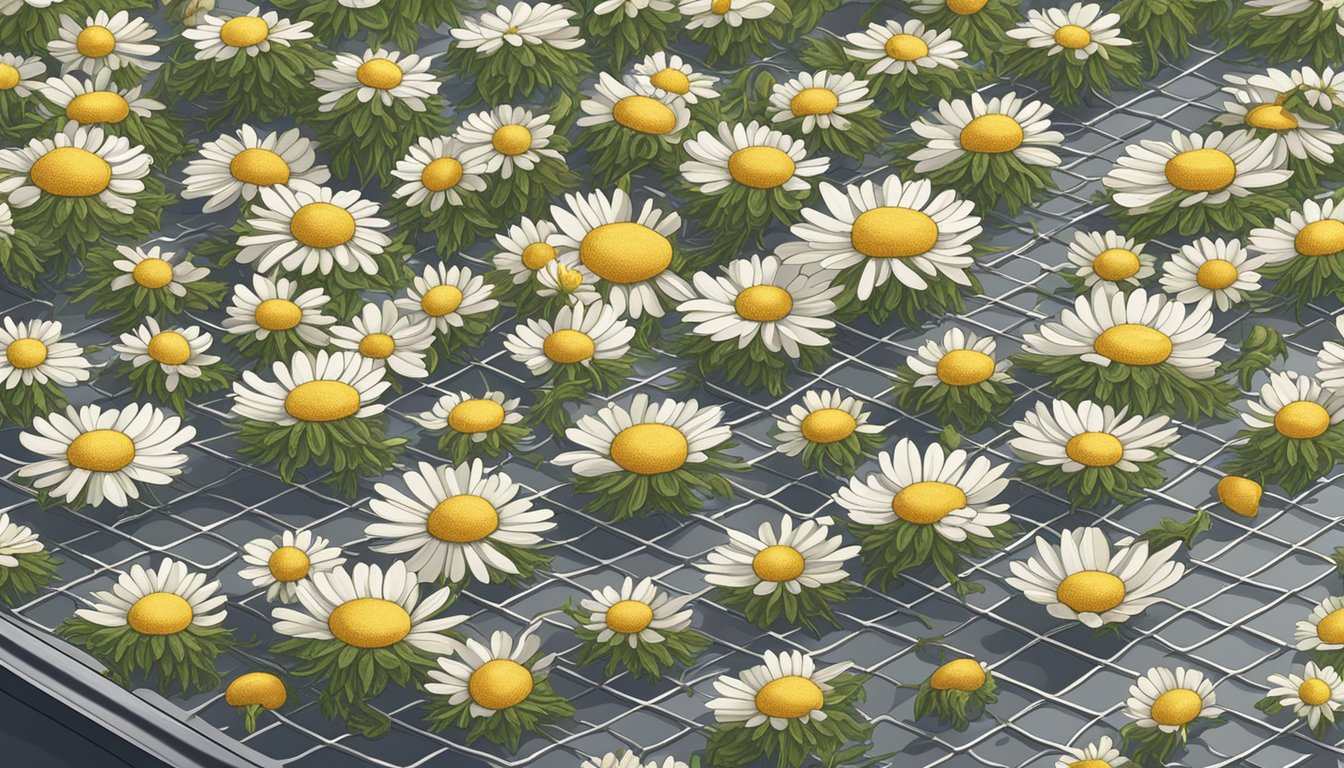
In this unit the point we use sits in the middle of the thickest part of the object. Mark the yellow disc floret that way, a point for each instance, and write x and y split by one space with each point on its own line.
260 167
1133 344
441 174
101 450
814 101
763 303
644 114
789 697
992 134
463 518
1320 238
1179 706
671 80
1216 274
382 74
1314 692
761 167
511 139
1201 170
1302 420
98 107
475 416
500 684
1271 117
1095 449
322 401
322 225
26 353
288 564
625 252
378 346
778 563
244 31
892 232
441 300
152 273
1241 495
71 172
169 348
828 425
159 613
965 367
1330 629
629 616
927 502
1091 591
958 675
1073 36
1116 264
277 314
95 41
261 689
905 47
650 449
567 346
369 622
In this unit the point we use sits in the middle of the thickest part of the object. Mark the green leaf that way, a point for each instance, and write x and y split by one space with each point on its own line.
1169 531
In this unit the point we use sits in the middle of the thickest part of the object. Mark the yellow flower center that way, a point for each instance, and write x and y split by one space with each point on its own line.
1177 707
159 613
463 518
629 617
511 139
289 564
763 303
1116 264
169 348
1314 692
892 232
965 7
1091 591
322 225
379 346
71 172
1095 449
9 77
814 101
1090 764
721 6
277 314
645 115
1072 36
905 47
789 697
1302 420
927 502
538 255
650 449
441 300
1216 274
568 279
1331 628
98 107
992 134
369 622
441 174
1320 238
1271 117
965 367
322 401
260 167
828 425
101 450
778 563
1133 344
244 31
1201 170
152 273
1241 495
959 675
475 416
256 688
26 353
568 346
671 80
383 74
95 42
760 167
625 252
500 684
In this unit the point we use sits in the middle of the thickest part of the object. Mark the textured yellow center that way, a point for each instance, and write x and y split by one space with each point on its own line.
625 252
322 225
9 77
789 697
814 101
538 255
1320 238
95 42
1216 274
1201 170
760 167
1072 36
671 80
763 303
568 346
644 114
500 684
169 348
322 401
260 167
959 675
649 449
892 232
289 564
159 613
152 273
101 450
1133 344
462 518
256 688
1271 117
1313 692
379 346
1302 420
369 622
568 279
1177 707
1091 591
721 6
778 563
71 172
244 31
1331 628
927 502
1094 449
382 74
828 425
965 7
441 300
511 139
1090 764
1241 495
1116 264
474 416
97 107
26 353
441 174
905 47
629 616
278 314
965 367
992 134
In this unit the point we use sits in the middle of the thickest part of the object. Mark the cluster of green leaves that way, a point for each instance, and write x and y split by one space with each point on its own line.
452 227
1267 456
506 726
1143 389
620 38
804 15
270 86
973 407
890 549
514 74
1071 79
349 448
460 338
1093 486
1154 748
26 401
987 180
739 214
73 225
1164 27
863 137
149 381
530 194
19 256
646 661
1237 214
185 659
842 457
33 573
615 153
1168 531
903 92
953 707
941 297
1308 36
460 447
163 135
1263 345
753 367
400 24
1304 279
805 607
134 303
572 382
369 137
623 495
843 738
755 38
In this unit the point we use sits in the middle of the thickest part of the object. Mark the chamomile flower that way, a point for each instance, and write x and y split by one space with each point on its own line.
525 248
1330 361
673 74
96 99
1080 31
960 378
235 166
79 162
630 760
313 389
1262 109
94 454
1323 629
1170 700
1323 89
305 229
15 540
711 13
507 139
1100 754
786 308
635 614
641 108
524 24
1292 412
276 306
432 173
580 335
472 425
179 353
27 566
387 76
104 41
1314 692
451 300
567 283
20 75
1211 273
382 334
750 156
819 100
1302 250
253 34
281 563
830 430
789 687
140 282
31 352
1110 258
895 48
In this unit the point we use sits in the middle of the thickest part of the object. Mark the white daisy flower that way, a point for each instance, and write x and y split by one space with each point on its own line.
639 107
786 307
961 360
443 296
433 171
822 417
32 352
753 156
1291 7
80 161
1258 107
104 41
630 760
506 139
312 388
1314 692
387 338
711 13
305 228
469 414
11 7
1323 90
941 489
1295 406
179 352
1211 272
669 72
1209 170
1081 580
97 99
388 76
455 521
16 539
788 687
635 613
1082 29
281 563
1330 361
237 165
1109 257
895 48
153 268
20 75
523 24
526 248
821 99
1315 230
1170 699
573 282
219 39
1101 754
1091 435
164 601
493 678
895 228
647 438
998 126
632 8
580 334
105 454
1323 629
272 306
799 558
